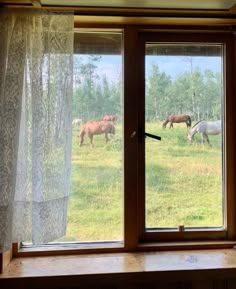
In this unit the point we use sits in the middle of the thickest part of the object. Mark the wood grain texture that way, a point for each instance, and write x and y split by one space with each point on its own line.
182 269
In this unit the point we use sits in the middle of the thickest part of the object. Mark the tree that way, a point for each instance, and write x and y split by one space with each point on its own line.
158 88
85 94
213 92
181 94
198 92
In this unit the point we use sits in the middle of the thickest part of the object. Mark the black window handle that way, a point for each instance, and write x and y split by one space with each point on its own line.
146 134
152 136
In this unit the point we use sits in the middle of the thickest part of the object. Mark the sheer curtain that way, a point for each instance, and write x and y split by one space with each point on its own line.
36 72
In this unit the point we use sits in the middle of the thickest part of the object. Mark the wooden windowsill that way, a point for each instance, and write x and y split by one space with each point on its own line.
121 269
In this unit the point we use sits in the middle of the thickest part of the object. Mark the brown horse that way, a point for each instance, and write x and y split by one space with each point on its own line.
110 118
92 127
177 118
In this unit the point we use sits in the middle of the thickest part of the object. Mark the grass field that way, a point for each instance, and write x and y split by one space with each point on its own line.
183 184
183 181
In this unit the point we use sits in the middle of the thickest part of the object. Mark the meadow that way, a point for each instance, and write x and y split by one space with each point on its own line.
183 184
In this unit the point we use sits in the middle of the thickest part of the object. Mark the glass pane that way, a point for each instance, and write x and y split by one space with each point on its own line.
184 105
95 211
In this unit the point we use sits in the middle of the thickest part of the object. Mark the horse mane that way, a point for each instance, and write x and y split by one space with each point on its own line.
197 123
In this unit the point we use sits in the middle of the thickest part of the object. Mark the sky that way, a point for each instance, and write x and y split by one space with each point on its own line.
111 65
175 65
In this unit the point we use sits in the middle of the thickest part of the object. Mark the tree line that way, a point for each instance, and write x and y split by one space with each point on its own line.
94 95
196 93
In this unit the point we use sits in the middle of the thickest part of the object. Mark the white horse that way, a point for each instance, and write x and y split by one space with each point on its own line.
205 128
76 121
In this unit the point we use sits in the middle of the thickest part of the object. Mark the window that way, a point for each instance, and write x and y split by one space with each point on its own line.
184 179
95 207
134 188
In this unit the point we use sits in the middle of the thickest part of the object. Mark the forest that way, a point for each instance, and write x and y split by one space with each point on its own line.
195 92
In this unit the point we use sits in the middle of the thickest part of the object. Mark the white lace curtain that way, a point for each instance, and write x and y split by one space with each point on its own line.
36 72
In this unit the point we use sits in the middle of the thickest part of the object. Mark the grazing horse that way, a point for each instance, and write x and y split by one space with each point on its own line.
177 118
205 128
110 118
91 127
76 121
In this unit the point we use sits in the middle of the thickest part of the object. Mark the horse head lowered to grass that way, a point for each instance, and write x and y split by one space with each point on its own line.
92 128
177 118
205 128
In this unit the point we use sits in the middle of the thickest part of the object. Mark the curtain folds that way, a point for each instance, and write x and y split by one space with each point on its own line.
36 73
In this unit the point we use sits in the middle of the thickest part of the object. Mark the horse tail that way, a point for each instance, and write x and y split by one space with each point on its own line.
189 121
112 129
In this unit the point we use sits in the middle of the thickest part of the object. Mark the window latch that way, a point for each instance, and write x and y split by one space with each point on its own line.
146 134
152 136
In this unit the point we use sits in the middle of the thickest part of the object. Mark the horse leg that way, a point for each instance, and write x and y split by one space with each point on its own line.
171 125
207 138
202 138
91 140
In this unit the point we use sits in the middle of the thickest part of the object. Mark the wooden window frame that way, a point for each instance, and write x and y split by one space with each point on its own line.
135 239
211 234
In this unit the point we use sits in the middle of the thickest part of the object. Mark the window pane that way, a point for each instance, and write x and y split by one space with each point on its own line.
184 178
95 211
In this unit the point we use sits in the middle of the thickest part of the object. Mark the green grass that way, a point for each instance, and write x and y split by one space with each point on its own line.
183 184
183 181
